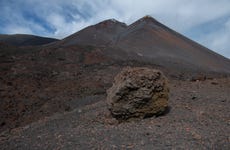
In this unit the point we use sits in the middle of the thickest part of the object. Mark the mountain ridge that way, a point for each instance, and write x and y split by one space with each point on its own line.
145 41
25 39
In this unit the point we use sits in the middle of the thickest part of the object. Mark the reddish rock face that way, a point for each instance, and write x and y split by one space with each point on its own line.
138 93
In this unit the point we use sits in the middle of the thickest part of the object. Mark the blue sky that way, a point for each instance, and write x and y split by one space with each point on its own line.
204 21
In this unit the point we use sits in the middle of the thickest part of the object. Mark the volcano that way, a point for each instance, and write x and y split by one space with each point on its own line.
53 93
149 41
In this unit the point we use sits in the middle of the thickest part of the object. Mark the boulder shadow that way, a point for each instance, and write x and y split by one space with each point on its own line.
165 112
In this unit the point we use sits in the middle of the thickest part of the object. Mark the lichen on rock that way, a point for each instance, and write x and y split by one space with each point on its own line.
138 93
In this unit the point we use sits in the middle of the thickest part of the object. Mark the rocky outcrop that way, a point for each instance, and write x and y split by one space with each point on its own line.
138 93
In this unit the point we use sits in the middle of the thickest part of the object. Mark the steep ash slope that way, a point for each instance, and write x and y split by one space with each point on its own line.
157 43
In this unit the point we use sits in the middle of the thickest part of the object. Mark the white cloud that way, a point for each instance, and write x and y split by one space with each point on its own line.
218 39
64 28
11 29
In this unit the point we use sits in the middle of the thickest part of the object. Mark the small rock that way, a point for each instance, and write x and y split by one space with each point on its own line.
194 97
138 93
214 83
2 124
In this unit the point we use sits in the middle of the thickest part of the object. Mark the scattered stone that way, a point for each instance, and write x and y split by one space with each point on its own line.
199 78
138 93
67 108
9 83
223 100
194 97
2 124
214 83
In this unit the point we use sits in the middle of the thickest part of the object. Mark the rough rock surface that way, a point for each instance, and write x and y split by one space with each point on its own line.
138 93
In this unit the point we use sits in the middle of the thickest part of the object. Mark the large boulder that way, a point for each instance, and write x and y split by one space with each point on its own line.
138 93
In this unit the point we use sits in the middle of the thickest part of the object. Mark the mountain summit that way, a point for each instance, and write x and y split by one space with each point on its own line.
148 19
102 33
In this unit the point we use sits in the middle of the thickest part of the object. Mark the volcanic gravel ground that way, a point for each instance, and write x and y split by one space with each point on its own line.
199 118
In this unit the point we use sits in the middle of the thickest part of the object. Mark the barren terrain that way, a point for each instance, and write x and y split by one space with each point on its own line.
198 119
53 96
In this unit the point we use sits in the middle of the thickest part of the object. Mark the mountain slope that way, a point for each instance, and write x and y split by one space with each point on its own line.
148 41
159 44
25 40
